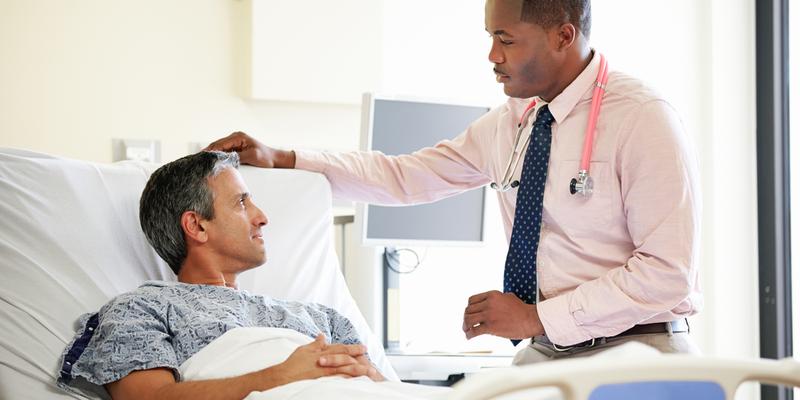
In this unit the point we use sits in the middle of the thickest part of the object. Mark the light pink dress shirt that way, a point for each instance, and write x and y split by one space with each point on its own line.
627 255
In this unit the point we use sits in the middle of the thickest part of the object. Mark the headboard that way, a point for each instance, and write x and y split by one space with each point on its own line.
70 240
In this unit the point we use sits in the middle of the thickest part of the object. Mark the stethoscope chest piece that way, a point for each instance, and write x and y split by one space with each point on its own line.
583 184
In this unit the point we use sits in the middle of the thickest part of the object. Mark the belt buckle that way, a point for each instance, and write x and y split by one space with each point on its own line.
577 346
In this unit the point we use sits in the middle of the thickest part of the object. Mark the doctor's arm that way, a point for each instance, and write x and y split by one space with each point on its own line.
429 174
314 360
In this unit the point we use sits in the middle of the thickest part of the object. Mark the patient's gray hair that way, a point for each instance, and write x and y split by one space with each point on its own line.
177 187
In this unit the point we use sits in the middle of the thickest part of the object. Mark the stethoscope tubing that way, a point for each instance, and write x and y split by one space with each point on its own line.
516 153
586 155
597 95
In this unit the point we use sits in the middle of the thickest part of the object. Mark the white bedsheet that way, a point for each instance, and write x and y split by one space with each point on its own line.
244 350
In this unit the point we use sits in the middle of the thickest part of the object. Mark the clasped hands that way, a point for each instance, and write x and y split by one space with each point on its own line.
501 314
318 359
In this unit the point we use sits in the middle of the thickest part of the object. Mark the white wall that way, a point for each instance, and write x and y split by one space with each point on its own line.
75 74
732 308
323 51
433 53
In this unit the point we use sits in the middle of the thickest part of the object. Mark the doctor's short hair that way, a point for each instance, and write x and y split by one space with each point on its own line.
174 188
550 13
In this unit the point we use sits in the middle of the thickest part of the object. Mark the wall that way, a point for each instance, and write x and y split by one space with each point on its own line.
323 51
77 73
732 319
446 47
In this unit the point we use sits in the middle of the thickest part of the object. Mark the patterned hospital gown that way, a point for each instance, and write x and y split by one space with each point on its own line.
162 324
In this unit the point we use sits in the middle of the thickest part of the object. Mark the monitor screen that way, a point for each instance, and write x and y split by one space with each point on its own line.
396 127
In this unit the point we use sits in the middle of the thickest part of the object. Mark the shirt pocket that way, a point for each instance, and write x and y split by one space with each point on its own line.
574 214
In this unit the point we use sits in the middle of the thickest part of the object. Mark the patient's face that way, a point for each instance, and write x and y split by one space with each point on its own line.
234 235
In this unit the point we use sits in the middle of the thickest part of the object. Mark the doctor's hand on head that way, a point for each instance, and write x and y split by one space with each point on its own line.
253 152
501 314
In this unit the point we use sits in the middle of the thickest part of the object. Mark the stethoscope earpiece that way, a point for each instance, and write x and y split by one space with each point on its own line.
504 188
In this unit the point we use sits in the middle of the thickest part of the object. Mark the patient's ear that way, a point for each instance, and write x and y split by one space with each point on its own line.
193 227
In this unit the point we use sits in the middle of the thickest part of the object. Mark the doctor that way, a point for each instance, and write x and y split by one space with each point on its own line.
596 180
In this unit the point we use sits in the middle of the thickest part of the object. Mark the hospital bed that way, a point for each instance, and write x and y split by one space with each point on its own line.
70 240
631 372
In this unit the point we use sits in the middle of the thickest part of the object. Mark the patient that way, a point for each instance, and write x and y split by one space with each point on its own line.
197 214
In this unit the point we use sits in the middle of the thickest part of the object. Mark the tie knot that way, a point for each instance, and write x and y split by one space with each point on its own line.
544 117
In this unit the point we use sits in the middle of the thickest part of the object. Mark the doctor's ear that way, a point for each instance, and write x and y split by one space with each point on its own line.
193 225
566 34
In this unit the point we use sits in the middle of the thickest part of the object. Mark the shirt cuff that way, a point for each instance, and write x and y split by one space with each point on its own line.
559 323
308 160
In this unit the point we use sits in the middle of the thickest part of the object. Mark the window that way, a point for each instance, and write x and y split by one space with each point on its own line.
775 186
794 157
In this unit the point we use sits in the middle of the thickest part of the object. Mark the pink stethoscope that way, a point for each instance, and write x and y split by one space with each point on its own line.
583 183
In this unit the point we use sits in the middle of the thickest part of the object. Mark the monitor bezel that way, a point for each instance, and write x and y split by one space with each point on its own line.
362 215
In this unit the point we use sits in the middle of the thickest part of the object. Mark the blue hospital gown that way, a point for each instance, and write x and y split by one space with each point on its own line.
162 324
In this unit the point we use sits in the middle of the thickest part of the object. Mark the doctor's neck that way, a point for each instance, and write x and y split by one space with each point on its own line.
576 60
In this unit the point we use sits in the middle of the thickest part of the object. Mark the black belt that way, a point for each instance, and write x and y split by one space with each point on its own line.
677 326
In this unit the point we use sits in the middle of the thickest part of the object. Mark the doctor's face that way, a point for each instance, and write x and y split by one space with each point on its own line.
522 53
234 234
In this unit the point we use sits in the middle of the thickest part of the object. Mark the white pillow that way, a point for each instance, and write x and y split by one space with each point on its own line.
70 240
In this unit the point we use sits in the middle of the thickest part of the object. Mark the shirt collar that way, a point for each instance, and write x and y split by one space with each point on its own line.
580 89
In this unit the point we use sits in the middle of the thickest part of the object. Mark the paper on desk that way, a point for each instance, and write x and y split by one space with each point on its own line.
481 345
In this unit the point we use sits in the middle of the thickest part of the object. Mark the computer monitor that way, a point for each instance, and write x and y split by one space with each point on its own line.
401 126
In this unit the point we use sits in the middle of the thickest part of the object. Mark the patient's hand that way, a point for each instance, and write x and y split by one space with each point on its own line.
253 152
318 359
372 371
362 367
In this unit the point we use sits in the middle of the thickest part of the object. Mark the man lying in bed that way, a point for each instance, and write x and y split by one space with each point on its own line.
197 214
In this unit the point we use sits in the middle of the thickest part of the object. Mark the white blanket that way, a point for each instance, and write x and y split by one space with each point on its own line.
244 350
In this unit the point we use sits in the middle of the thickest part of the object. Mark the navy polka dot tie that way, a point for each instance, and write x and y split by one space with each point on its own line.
520 273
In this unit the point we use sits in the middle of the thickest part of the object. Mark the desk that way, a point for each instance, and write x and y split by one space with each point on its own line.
443 369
